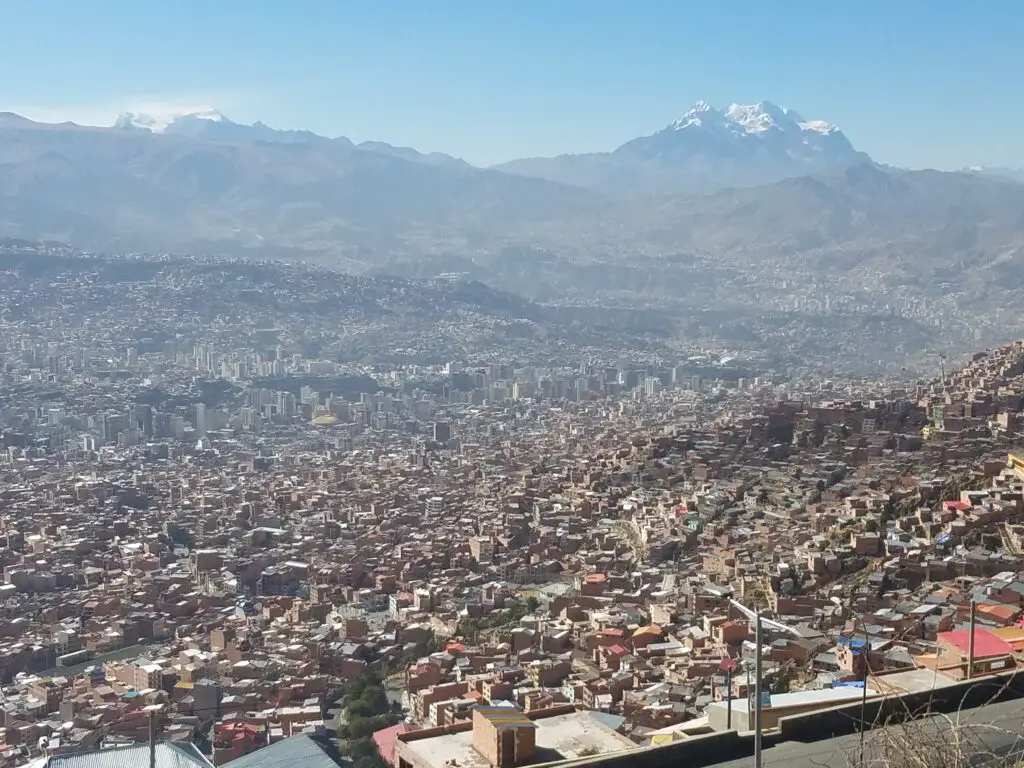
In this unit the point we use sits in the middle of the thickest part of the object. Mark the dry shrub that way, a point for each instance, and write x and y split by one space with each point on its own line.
967 738
935 741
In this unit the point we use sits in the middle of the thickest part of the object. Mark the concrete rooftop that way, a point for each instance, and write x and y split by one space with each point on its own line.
563 737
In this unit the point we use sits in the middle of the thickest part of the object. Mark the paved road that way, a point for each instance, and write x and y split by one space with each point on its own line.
989 732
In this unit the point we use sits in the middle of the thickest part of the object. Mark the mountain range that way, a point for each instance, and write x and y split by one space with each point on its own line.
201 183
1013 174
739 180
704 150
212 125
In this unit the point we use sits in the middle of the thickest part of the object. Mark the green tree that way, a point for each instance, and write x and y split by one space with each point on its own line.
365 710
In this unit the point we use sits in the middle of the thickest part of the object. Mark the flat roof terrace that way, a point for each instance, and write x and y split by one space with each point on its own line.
561 737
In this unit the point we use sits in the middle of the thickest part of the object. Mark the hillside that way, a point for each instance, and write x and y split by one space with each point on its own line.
861 208
139 190
705 150
941 252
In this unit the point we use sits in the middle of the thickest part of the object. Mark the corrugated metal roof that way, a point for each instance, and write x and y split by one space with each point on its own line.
824 696
506 717
299 750
169 754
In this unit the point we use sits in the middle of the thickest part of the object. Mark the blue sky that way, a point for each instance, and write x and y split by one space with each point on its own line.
915 83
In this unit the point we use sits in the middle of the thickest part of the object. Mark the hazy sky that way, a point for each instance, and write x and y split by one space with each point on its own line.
934 83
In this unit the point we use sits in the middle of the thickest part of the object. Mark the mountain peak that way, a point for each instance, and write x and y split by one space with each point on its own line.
160 120
750 119
695 116
763 116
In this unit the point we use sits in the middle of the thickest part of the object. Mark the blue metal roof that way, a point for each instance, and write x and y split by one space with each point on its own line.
169 754
299 750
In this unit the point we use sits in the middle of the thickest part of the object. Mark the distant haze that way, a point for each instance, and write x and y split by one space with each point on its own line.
197 179
202 182
752 223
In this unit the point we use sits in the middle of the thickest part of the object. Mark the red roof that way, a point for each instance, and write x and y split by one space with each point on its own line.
387 738
986 645
618 650
1004 613
957 504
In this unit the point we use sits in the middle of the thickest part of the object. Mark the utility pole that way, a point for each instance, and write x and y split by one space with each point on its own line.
728 665
863 653
749 688
728 700
152 738
864 697
970 645
757 690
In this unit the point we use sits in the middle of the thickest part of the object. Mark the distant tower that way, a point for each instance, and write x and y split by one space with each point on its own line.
201 418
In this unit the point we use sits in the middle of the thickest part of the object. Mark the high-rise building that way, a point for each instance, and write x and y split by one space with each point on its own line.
111 426
161 425
142 418
252 420
201 418
203 357
442 431
287 405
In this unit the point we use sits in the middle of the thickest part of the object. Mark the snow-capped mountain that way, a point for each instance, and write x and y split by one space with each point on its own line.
741 119
769 140
211 125
159 122
706 149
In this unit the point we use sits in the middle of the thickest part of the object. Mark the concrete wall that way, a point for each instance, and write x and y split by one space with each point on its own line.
845 719
713 748
485 739
693 753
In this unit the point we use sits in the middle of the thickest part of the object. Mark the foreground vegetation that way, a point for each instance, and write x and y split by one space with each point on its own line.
364 711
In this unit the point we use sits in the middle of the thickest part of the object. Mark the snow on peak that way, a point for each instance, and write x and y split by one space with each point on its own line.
819 126
157 121
758 118
696 115
755 119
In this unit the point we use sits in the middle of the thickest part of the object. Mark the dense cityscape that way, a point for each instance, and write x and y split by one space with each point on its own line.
256 512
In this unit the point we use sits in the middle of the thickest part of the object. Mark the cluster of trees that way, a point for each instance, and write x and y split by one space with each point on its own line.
365 710
506 618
